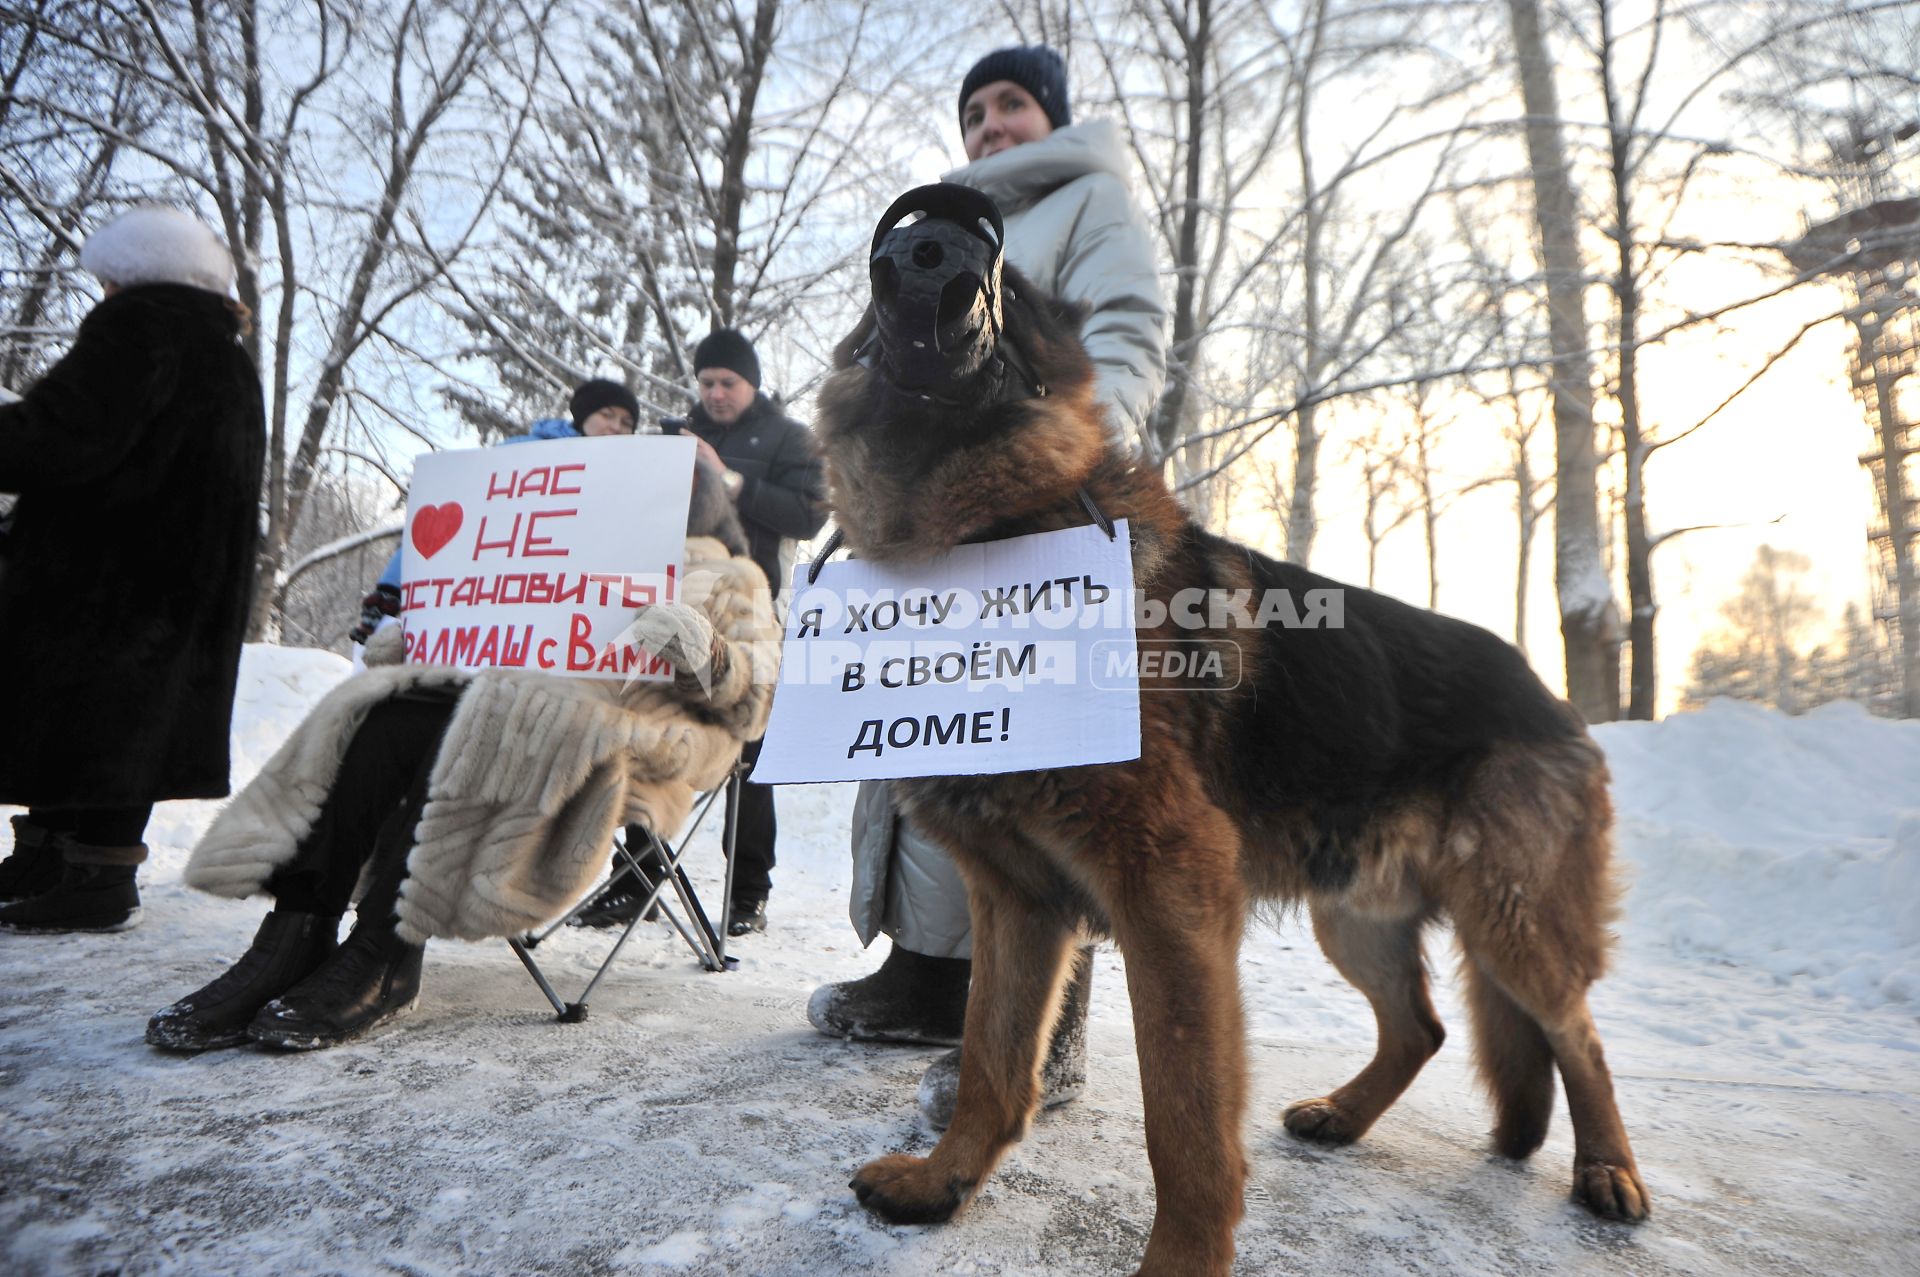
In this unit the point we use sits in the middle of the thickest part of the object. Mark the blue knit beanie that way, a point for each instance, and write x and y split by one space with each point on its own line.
1035 68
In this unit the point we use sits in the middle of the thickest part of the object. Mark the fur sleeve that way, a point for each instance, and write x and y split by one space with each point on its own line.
734 595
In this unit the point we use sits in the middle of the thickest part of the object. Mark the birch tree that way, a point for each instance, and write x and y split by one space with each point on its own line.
1589 613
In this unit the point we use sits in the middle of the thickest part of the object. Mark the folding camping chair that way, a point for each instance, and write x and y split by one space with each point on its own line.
708 942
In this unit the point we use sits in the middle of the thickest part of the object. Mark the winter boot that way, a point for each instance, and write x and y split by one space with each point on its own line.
617 904
619 901
96 892
1062 1078
911 998
33 866
373 978
746 916
287 949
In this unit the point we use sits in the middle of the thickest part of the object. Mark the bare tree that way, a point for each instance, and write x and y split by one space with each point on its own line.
60 175
701 163
1589 615
333 144
1282 258
1656 156
1509 314
1384 506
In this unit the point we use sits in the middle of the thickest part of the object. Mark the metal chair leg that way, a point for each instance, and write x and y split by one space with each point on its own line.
708 942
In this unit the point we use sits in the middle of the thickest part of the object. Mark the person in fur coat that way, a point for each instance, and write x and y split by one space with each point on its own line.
124 595
469 804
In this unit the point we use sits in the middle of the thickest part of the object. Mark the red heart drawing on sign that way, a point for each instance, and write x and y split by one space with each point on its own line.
434 526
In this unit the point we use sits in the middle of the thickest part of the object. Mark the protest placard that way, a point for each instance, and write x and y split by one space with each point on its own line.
537 556
977 662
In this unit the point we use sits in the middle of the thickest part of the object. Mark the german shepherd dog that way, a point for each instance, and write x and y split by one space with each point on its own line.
1399 769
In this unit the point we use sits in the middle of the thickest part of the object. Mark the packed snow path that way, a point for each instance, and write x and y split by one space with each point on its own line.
1760 1022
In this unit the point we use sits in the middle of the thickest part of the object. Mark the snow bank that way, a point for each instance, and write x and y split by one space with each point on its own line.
1789 846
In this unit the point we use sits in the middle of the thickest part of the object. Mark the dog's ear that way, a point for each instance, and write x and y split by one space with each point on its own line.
843 354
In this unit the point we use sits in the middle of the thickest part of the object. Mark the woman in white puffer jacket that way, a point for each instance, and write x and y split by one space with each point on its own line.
1073 229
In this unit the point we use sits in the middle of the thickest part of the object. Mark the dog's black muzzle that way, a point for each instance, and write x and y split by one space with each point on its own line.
936 288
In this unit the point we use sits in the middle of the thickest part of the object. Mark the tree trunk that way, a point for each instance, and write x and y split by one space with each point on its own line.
1306 472
733 172
1643 679
1589 616
1522 573
1429 508
1169 417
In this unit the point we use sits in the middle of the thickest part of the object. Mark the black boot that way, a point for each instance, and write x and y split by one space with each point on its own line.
620 901
1062 1078
911 998
96 892
373 978
34 864
287 949
746 916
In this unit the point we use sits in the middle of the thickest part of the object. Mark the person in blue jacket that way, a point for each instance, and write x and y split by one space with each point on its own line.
599 407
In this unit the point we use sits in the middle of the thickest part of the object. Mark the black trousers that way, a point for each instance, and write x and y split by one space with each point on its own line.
753 840
95 826
370 814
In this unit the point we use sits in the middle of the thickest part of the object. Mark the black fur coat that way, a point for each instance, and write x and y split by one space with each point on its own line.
123 593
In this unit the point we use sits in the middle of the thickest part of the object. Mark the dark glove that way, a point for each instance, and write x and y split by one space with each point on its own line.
383 602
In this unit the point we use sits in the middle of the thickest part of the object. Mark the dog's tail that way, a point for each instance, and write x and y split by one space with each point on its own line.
1539 820
1515 1062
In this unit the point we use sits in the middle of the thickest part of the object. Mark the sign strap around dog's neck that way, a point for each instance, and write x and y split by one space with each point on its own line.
827 552
1105 524
834 541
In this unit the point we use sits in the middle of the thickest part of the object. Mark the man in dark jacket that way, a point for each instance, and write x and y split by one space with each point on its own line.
770 461
137 459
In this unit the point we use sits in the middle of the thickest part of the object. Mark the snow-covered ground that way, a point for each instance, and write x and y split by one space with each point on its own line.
1761 1022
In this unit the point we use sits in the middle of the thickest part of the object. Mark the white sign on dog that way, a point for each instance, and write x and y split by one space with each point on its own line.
977 662
536 555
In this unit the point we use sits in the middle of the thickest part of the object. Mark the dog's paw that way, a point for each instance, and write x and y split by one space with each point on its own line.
1323 1121
907 1190
1611 1192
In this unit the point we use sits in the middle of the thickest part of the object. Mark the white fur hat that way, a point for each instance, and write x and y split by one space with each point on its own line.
154 244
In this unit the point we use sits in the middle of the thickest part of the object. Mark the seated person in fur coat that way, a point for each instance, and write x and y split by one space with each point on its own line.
471 805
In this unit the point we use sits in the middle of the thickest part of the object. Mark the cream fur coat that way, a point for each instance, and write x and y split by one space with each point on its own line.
535 773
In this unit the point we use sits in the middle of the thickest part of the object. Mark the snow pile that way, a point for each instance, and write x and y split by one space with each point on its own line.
1790 846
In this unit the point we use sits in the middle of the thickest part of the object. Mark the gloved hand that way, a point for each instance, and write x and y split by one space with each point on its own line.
680 635
383 602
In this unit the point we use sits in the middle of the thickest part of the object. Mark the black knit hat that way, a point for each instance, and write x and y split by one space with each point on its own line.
1035 68
592 396
725 348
